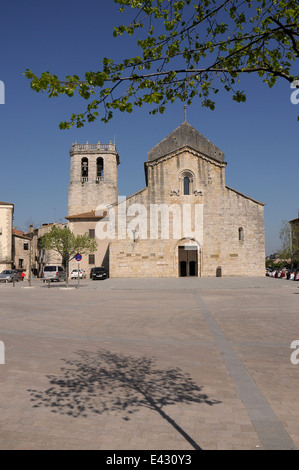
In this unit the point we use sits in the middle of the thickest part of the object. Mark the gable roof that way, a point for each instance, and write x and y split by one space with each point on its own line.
186 136
20 234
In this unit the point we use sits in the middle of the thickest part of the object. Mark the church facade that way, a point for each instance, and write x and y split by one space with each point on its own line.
185 222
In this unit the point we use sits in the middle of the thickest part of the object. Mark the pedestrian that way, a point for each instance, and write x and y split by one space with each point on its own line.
23 275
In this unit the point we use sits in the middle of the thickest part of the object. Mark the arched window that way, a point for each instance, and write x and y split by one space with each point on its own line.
100 168
186 185
84 169
187 182
241 234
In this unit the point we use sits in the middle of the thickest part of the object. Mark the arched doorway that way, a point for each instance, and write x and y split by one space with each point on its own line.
183 268
188 261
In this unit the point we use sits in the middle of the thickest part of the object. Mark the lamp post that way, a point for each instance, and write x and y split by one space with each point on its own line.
30 254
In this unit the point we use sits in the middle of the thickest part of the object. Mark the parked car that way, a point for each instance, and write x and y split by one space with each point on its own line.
91 272
98 273
9 275
74 274
53 273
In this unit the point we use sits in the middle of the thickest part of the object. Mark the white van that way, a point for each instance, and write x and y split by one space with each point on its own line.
53 273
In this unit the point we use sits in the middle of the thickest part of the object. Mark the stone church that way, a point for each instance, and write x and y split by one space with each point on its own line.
184 222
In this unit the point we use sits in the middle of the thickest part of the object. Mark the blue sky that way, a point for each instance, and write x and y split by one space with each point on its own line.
259 137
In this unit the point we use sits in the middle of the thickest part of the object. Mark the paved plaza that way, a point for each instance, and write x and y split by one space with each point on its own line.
150 364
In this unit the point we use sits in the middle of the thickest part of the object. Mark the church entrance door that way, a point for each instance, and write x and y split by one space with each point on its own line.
188 261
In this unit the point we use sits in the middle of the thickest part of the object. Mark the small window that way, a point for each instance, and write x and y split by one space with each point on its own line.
84 167
100 168
26 247
49 268
186 185
92 233
21 263
241 234
186 182
91 259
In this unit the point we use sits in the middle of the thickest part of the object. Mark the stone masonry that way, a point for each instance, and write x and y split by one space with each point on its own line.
88 190
185 222
6 215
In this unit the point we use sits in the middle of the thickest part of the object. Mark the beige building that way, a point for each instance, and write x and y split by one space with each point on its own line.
87 223
40 256
21 251
6 221
94 177
185 222
27 251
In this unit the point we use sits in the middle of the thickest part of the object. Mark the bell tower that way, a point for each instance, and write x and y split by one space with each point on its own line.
94 177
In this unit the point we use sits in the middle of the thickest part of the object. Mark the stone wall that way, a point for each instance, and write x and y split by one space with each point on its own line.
21 253
100 256
230 232
6 213
85 194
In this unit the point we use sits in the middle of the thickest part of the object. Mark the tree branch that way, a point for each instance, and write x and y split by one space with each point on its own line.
289 33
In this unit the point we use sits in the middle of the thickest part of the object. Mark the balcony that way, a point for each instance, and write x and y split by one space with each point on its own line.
97 147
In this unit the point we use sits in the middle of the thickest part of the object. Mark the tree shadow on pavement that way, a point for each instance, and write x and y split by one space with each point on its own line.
103 382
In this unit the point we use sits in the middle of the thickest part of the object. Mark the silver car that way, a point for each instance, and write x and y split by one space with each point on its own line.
53 273
10 275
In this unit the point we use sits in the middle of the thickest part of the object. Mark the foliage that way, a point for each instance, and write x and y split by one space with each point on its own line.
278 265
64 242
188 49
289 236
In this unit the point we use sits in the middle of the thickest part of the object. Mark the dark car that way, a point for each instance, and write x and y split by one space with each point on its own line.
98 273
91 272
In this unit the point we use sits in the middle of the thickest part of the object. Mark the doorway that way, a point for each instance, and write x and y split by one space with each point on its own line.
188 261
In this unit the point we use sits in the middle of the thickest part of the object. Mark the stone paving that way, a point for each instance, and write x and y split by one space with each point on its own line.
157 364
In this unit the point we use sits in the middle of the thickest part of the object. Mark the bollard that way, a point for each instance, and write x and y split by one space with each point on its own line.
14 282
49 283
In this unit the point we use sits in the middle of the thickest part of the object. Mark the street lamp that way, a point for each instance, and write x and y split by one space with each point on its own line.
30 253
